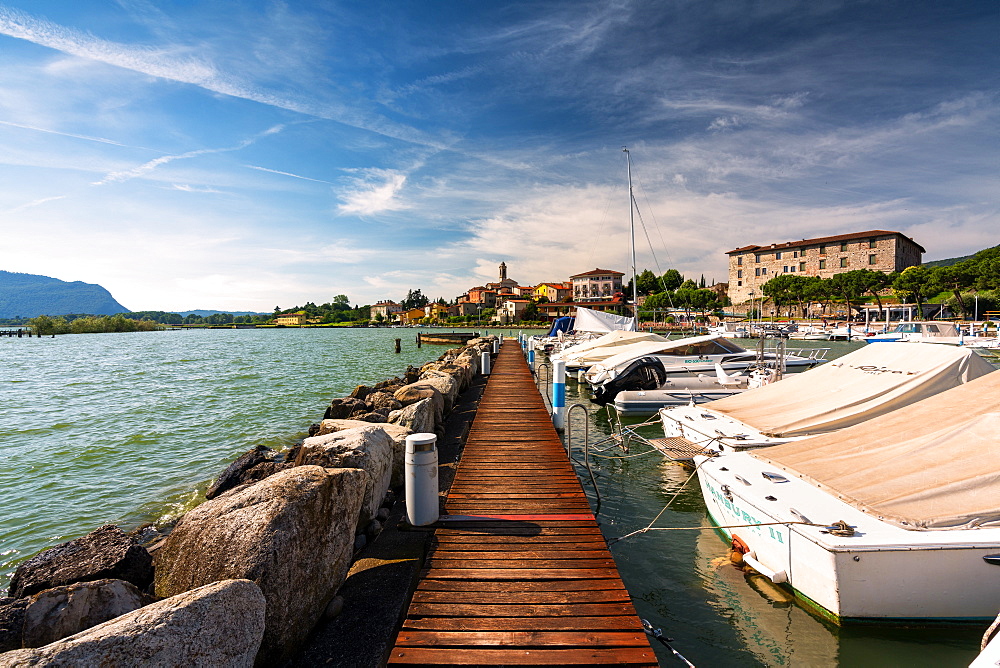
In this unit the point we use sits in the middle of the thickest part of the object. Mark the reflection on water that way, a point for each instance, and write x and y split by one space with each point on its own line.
683 581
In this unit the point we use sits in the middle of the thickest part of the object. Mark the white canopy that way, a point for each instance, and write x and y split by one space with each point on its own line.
664 347
934 464
869 382
589 320
595 350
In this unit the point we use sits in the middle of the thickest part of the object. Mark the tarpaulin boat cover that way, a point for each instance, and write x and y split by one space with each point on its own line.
869 382
930 465
595 350
690 346
562 324
589 320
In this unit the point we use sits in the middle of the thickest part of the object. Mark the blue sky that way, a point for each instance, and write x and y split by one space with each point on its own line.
243 155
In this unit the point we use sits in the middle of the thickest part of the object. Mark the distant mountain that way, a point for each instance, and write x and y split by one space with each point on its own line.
950 261
30 295
205 313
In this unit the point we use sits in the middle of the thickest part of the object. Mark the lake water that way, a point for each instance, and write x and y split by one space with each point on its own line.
130 428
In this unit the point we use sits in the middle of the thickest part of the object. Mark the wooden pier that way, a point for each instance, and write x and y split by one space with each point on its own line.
519 573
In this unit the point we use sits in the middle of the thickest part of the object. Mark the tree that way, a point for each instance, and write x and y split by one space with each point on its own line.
414 299
917 283
530 311
786 289
954 278
646 283
672 280
872 282
847 285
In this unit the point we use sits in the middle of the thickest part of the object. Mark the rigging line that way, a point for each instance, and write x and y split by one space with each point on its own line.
672 499
656 223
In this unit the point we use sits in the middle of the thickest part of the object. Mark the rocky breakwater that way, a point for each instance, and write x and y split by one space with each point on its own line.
243 578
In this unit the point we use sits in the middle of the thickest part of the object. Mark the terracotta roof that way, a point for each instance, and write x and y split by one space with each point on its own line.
598 271
827 240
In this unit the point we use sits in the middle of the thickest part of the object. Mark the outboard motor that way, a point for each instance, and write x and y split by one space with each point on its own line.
645 373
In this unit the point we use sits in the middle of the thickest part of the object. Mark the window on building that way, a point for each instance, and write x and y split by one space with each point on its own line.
802 266
822 250
822 264
739 261
784 269
843 247
873 259
763 270
777 255
795 254
756 257
843 262
872 243
756 271
792 268
739 273
739 284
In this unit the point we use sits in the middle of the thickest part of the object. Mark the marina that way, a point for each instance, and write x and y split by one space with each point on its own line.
680 580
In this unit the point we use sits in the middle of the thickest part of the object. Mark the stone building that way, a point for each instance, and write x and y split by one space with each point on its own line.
596 285
750 267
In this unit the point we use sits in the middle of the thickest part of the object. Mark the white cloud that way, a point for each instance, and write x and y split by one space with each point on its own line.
376 191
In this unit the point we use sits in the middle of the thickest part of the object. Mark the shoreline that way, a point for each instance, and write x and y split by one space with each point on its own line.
412 375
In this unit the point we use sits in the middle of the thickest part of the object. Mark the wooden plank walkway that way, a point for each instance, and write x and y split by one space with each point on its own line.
519 573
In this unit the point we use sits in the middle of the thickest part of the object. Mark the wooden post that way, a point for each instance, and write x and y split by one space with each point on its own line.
399 347
418 340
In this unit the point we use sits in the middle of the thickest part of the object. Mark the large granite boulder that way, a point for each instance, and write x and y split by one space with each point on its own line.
292 534
62 611
384 401
445 383
107 552
396 432
220 624
12 622
415 392
420 417
368 448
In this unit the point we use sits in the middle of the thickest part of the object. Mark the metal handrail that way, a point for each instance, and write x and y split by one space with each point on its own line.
586 452
548 382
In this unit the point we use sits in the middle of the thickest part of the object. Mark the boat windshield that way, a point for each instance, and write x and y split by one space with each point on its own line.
714 347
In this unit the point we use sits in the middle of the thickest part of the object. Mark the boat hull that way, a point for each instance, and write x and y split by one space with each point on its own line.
880 574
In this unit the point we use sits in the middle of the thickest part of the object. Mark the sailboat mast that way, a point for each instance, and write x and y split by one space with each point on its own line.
631 227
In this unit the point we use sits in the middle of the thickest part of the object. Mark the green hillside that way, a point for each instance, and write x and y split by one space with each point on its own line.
951 261
31 295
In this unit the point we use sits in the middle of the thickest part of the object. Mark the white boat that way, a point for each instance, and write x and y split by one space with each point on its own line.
896 518
852 389
922 331
847 333
586 327
680 390
731 330
585 354
647 366
810 333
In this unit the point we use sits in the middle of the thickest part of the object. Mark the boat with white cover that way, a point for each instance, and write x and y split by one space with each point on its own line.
647 366
927 332
895 518
852 389
586 327
586 354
